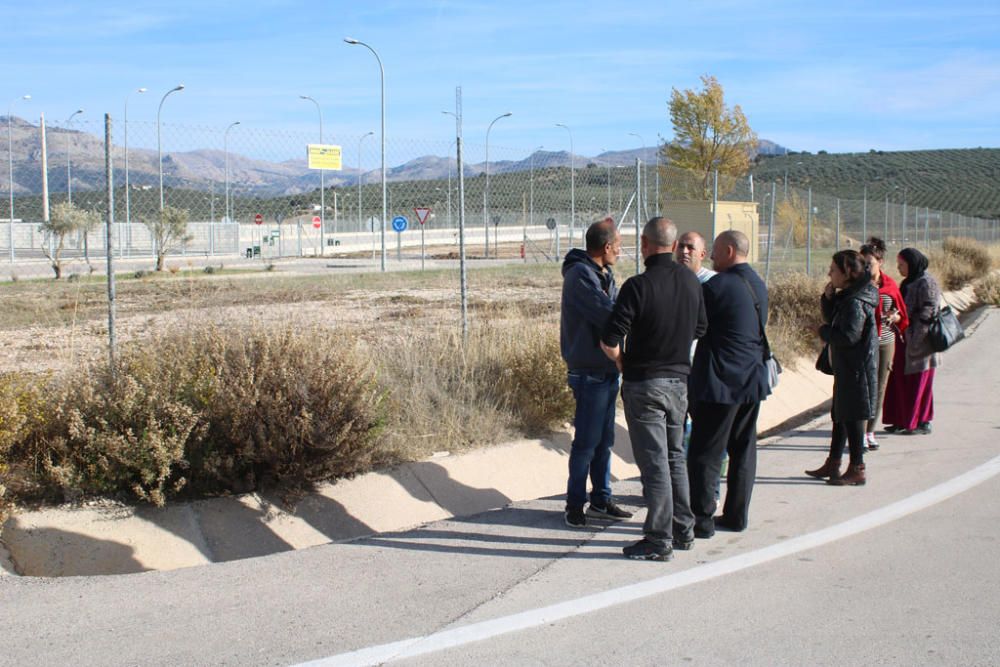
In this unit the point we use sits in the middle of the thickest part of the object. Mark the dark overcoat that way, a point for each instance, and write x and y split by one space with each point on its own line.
850 331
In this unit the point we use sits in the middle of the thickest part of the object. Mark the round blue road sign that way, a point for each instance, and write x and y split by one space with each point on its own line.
399 223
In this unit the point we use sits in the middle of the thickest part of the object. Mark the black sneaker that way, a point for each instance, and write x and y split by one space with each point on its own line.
575 517
645 550
683 543
609 511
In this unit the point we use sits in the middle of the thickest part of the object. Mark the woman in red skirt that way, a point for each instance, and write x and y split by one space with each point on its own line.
909 398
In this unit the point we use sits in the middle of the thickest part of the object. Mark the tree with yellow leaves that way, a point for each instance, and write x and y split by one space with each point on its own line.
708 135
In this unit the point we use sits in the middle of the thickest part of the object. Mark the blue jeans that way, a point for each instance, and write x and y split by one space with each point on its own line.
590 454
655 411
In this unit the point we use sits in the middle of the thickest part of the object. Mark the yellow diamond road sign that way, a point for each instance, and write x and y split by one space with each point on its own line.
324 156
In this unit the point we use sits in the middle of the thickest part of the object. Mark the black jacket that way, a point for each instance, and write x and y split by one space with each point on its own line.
729 362
588 295
853 338
661 312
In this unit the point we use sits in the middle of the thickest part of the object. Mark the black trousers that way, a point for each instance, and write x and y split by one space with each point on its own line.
718 428
852 434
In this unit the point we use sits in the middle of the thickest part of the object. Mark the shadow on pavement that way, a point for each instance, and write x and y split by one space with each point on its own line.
52 552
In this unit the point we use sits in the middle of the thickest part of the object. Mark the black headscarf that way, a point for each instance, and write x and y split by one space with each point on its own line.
917 263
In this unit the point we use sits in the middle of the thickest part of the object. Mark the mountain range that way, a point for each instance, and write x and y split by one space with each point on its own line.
205 169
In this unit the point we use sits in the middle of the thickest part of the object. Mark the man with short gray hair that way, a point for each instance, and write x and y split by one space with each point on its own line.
657 315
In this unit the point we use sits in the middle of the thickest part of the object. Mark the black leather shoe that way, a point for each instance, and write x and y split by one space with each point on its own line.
683 543
722 523
704 533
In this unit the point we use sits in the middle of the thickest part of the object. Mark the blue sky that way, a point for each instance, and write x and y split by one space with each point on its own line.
845 76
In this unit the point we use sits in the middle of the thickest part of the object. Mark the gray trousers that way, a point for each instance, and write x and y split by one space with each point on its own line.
885 353
655 410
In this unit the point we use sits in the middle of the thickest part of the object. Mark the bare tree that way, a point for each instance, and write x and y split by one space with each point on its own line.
64 220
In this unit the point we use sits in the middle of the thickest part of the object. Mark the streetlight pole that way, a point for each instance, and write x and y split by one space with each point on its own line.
69 152
128 202
225 148
10 173
322 182
572 186
381 70
486 191
361 175
159 145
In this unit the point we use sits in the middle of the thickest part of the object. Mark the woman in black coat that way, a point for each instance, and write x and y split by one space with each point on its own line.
848 305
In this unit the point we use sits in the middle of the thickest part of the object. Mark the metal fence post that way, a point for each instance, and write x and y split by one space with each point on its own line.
461 214
770 233
837 244
638 209
109 246
809 232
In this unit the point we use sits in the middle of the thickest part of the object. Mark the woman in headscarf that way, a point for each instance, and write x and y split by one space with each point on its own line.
909 397
891 320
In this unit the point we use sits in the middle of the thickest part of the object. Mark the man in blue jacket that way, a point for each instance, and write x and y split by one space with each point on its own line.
728 382
588 296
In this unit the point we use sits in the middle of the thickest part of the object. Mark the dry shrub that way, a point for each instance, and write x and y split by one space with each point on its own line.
533 380
988 290
112 435
210 411
507 377
285 407
960 261
20 412
794 315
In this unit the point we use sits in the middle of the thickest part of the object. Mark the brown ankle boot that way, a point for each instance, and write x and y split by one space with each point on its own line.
829 469
855 476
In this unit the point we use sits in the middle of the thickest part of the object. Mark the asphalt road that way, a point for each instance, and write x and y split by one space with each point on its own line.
900 572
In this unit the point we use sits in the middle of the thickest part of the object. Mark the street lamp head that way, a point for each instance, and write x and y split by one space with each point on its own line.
179 86
140 90
507 114
351 40
26 97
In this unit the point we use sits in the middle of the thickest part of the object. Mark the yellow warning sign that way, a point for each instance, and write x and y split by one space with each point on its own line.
324 156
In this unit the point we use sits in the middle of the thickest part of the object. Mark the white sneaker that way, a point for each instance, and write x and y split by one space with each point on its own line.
870 442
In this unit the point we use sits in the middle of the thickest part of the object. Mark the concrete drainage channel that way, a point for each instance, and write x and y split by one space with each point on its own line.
106 538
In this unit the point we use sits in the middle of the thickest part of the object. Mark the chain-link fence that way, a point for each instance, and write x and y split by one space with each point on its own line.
249 195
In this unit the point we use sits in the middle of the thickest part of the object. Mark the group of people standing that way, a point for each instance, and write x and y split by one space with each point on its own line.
644 334
639 340
876 348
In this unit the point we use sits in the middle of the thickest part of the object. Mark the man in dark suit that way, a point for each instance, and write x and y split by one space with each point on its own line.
728 382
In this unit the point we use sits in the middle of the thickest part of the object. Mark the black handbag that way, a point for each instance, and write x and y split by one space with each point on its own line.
945 330
823 363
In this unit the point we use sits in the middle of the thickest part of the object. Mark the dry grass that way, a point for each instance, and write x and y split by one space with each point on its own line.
794 315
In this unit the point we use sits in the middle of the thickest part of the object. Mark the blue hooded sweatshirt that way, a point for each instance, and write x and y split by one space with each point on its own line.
588 297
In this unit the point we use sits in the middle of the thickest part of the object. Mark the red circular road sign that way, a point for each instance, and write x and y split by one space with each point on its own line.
316 221
258 219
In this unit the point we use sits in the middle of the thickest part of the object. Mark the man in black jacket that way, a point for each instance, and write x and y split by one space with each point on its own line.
661 312
728 382
588 296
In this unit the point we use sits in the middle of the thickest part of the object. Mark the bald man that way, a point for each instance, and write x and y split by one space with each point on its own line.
728 382
691 253
657 315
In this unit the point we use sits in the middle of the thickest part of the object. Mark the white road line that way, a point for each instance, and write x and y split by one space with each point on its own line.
438 641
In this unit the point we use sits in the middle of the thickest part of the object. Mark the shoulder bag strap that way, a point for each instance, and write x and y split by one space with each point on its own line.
760 318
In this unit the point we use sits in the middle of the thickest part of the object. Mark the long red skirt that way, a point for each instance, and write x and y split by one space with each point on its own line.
909 399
